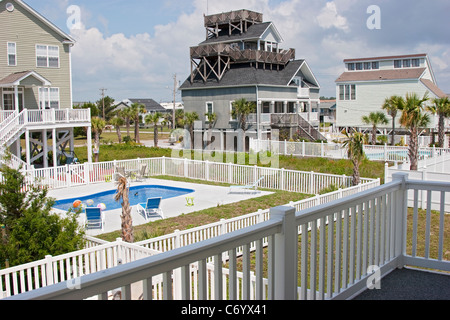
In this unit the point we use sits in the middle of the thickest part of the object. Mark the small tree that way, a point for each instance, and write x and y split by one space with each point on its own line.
31 231
392 106
414 118
375 119
355 151
117 122
241 109
127 222
136 110
153 119
98 124
441 107
189 121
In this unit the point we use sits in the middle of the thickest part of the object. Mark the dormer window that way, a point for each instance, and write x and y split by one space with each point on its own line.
351 66
359 66
375 65
406 63
367 65
415 63
397 63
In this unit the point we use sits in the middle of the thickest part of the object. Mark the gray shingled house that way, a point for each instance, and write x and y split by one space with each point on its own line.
241 58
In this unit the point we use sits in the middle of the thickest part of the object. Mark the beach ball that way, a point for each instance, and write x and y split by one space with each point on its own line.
90 202
102 206
76 203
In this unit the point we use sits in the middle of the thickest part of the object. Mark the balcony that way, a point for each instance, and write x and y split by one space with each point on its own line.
326 252
233 16
247 55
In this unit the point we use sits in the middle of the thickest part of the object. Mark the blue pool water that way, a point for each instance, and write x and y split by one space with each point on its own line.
138 194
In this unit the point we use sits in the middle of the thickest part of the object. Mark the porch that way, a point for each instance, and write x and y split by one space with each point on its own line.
332 251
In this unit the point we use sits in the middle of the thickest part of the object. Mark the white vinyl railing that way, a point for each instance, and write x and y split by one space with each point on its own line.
336 151
274 178
328 251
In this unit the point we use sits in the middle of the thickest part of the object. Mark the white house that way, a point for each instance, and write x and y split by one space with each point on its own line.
367 82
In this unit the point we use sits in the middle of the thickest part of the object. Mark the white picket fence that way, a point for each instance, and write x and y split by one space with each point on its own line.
235 174
336 151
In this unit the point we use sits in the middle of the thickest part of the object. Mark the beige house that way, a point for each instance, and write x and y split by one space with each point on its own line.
36 86
367 82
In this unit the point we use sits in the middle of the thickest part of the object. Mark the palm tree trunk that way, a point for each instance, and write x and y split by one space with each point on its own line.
441 133
393 132
356 179
136 130
374 135
119 135
413 150
155 136
127 221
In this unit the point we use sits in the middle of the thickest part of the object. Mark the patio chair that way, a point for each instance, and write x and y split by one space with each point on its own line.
141 173
151 207
253 186
120 172
95 219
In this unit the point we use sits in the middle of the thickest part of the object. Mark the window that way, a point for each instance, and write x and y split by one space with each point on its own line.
12 54
367 65
406 63
397 63
47 56
49 98
415 63
209 107
359 66
351 66
375 65
347 92
231 111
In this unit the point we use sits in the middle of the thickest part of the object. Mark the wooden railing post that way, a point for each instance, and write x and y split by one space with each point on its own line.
285 254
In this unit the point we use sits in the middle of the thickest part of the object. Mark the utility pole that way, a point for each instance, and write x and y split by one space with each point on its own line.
174 99
103 101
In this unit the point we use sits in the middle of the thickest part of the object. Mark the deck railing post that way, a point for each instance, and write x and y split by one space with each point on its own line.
401 207
285 254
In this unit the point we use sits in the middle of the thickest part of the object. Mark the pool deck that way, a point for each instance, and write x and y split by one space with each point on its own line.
205 196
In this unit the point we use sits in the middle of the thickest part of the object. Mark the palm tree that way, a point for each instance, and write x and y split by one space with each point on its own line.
441 107
97 124
414 118
211 118
375 119
189 120
241 109
126 115
127 222
117 122
136 110
179 118
153 119
392 105
355 152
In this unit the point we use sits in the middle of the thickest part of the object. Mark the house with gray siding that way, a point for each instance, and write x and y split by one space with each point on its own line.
242 58
367 82
36 86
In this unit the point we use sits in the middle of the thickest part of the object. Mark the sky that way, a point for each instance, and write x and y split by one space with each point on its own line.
133 48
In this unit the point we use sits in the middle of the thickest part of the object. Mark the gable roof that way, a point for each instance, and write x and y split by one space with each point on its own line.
68 38
150 104
240 75
14 79
380 75
433 88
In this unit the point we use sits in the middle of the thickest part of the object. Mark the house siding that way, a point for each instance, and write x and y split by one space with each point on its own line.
26 30
195 100
370 97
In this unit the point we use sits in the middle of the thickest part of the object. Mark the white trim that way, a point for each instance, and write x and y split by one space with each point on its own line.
68 40
70 78
8 54
44 81
47 56
212 106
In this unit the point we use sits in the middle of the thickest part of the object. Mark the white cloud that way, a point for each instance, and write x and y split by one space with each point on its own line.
329 18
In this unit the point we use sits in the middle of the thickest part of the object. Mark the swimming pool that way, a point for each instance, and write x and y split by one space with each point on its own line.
138 194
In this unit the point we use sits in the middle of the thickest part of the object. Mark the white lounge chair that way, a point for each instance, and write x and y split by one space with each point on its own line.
152 206
253 186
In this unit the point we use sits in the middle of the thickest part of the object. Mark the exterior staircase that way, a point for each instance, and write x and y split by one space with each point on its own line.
305 129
